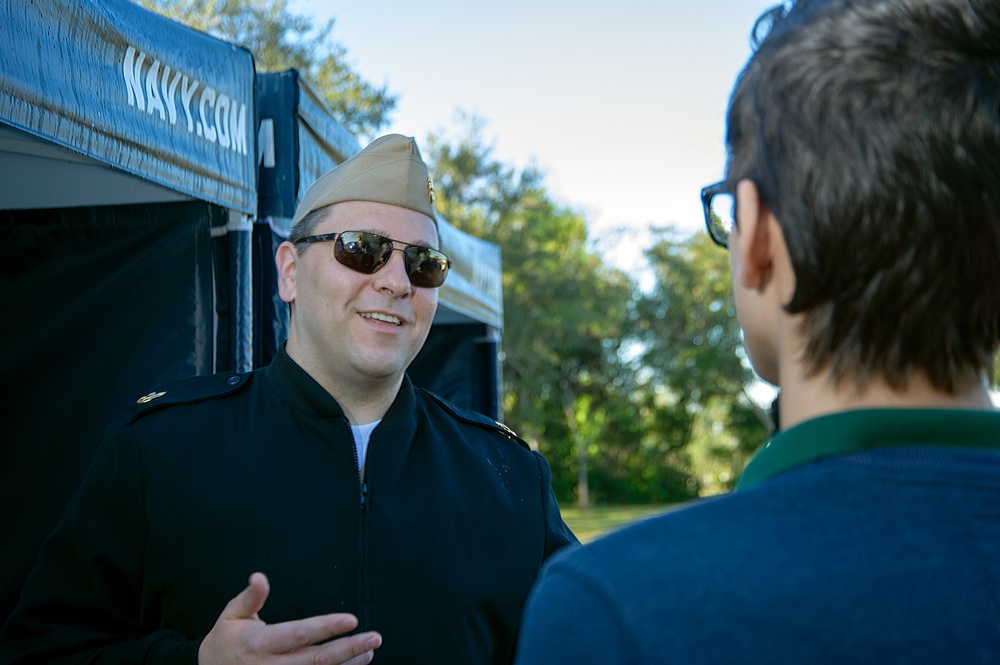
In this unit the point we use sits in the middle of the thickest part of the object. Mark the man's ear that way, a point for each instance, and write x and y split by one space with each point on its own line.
755 226
287 260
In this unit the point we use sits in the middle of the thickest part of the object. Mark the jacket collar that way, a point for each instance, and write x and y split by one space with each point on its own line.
298 387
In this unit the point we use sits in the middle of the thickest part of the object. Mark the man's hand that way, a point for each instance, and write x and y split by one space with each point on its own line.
239 636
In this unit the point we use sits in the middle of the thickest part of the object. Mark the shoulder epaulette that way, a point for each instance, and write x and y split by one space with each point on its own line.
475 418
188 391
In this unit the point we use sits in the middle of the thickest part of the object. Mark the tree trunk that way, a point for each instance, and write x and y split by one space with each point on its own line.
582 453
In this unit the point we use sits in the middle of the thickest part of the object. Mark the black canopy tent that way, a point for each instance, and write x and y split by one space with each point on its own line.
134 250
127 191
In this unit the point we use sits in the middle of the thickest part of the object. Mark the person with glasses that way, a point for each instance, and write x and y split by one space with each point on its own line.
319 508
861 210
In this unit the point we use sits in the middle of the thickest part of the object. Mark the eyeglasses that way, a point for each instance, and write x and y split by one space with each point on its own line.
719 205
367 253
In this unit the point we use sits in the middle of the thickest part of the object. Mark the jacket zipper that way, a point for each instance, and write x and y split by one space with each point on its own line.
362 539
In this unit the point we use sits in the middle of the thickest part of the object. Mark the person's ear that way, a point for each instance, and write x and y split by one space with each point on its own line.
755 226
287 260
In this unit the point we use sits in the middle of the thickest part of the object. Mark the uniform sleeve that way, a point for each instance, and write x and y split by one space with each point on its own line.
569 620
81 602
557 534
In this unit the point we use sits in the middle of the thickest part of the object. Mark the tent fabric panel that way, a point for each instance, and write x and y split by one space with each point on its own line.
270 312
323 142
474 286
30 168
278 169
234 295
101 306
134 90
307 142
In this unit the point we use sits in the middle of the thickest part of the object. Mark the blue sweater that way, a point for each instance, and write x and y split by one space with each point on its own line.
862 537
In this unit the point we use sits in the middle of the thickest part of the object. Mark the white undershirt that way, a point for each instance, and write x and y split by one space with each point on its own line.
362 434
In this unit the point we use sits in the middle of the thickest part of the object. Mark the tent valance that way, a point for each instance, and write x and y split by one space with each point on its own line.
133 90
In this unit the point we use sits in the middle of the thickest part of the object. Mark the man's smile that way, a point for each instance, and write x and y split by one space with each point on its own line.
379 316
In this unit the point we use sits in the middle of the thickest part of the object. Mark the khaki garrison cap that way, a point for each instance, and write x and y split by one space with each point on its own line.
389 170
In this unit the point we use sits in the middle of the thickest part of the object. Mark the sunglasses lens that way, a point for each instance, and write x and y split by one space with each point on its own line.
426 267
368 252
363 252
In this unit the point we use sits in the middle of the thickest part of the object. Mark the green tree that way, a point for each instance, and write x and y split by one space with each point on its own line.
564 308
280 39
692 368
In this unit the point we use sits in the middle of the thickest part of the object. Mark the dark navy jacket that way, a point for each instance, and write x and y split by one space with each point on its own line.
436 547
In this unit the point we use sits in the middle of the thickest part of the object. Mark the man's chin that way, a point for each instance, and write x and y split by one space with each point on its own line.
378 370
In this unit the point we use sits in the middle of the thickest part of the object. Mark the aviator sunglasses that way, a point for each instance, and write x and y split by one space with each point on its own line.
367 253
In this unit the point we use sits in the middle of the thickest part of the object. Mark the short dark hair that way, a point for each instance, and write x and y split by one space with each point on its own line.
872 131
305 226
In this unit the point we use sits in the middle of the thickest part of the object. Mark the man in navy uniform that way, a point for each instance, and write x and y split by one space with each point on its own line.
350 499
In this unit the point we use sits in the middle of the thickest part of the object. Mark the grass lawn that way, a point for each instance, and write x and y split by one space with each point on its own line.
592 522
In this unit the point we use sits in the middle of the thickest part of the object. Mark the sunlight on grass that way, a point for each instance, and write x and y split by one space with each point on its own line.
593 522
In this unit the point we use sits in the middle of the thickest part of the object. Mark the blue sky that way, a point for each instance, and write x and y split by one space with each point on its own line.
621 104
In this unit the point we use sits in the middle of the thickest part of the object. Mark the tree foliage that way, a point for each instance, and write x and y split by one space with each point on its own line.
688 318
279 40
632 397
692 367
565 310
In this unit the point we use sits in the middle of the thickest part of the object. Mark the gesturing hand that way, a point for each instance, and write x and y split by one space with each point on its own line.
239 636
